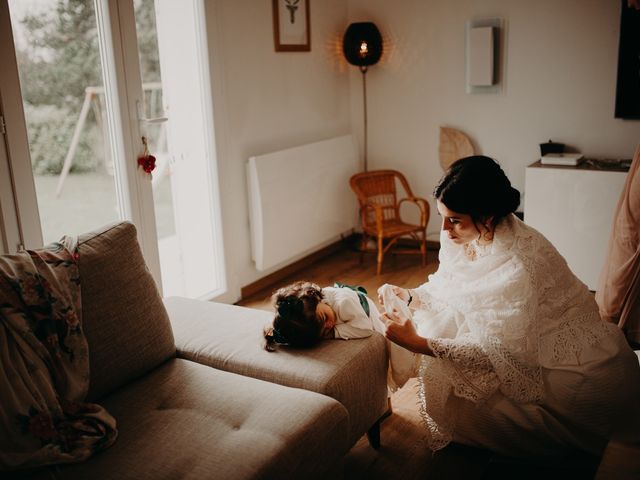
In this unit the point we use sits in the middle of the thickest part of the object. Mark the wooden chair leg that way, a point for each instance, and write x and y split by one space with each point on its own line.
380 255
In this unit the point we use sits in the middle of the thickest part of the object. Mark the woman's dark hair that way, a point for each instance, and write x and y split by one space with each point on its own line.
478 187
295 323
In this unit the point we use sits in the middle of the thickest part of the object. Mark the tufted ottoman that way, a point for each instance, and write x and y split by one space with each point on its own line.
229 337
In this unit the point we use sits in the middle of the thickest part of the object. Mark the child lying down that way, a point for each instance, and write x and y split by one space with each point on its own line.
306 313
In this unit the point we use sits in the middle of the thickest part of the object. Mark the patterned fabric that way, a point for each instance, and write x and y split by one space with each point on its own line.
44 363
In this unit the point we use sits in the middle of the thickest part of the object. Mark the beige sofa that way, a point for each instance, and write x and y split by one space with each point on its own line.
194 393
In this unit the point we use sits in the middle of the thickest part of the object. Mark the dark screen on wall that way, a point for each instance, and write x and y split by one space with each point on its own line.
628 86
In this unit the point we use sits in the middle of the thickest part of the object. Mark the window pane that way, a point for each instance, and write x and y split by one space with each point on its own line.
63 96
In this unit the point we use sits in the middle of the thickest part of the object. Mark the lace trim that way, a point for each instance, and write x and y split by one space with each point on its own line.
473 250
522 383
574 335
427 302
431 401
472 375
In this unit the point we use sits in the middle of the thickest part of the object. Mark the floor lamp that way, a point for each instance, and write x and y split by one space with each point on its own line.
362 46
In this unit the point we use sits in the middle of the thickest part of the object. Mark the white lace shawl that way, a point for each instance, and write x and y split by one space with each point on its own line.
495 321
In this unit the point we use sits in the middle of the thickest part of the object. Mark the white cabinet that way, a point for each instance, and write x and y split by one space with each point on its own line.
573 207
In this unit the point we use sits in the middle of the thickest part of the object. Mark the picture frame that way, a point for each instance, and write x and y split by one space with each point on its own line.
291 25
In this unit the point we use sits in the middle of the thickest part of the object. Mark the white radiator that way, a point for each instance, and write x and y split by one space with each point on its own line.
300 199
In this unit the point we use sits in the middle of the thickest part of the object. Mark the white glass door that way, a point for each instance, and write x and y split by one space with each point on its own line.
191 255
180 129
103 83
71 94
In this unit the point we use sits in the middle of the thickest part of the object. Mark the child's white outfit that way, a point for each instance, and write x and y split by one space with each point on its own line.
351 319
353 322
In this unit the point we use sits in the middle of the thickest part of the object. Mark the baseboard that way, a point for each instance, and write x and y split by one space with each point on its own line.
264 283
431 244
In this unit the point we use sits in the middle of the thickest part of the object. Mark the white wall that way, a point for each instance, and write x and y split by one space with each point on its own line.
559 83
266 101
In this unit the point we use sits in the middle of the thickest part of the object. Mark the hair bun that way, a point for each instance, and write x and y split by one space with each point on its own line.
479 187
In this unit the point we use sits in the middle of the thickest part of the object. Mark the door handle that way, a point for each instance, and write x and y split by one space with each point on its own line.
143 118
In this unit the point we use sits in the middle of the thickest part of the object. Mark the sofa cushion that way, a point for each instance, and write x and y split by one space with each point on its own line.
189 421
229 337
124 319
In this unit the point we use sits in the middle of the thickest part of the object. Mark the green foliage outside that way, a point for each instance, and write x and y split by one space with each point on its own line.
50 129
62 59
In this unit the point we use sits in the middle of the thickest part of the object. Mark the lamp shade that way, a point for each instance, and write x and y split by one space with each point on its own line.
362 44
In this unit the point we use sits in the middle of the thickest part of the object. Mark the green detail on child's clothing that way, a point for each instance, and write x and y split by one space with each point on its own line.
362 295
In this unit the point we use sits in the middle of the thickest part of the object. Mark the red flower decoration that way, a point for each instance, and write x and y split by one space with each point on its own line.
147 162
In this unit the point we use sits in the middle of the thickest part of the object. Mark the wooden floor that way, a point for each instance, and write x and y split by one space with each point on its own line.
345 266
403 454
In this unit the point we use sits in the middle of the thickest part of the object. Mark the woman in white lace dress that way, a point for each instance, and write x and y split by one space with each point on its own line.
514 356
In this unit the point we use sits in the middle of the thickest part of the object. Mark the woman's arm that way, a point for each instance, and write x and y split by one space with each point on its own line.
473 376
403 332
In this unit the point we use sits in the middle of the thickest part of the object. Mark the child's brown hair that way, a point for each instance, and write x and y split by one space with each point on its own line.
295 323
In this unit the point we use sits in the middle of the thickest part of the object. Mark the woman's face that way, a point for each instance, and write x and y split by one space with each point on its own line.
459 226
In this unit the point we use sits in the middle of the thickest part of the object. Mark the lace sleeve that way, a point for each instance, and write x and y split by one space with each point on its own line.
426 300
473 375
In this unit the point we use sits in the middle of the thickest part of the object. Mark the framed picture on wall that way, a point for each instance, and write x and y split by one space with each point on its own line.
291 25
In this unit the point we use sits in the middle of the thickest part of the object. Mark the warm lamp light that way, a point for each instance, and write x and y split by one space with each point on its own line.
362 44
362 47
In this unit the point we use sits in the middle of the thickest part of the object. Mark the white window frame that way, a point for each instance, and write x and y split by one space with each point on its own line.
19 215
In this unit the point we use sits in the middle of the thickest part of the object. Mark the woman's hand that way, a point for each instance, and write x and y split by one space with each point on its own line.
402 293
403 332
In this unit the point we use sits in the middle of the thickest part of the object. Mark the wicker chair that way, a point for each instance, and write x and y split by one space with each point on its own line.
380 213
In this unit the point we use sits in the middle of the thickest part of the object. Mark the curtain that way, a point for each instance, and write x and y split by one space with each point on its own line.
618 293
